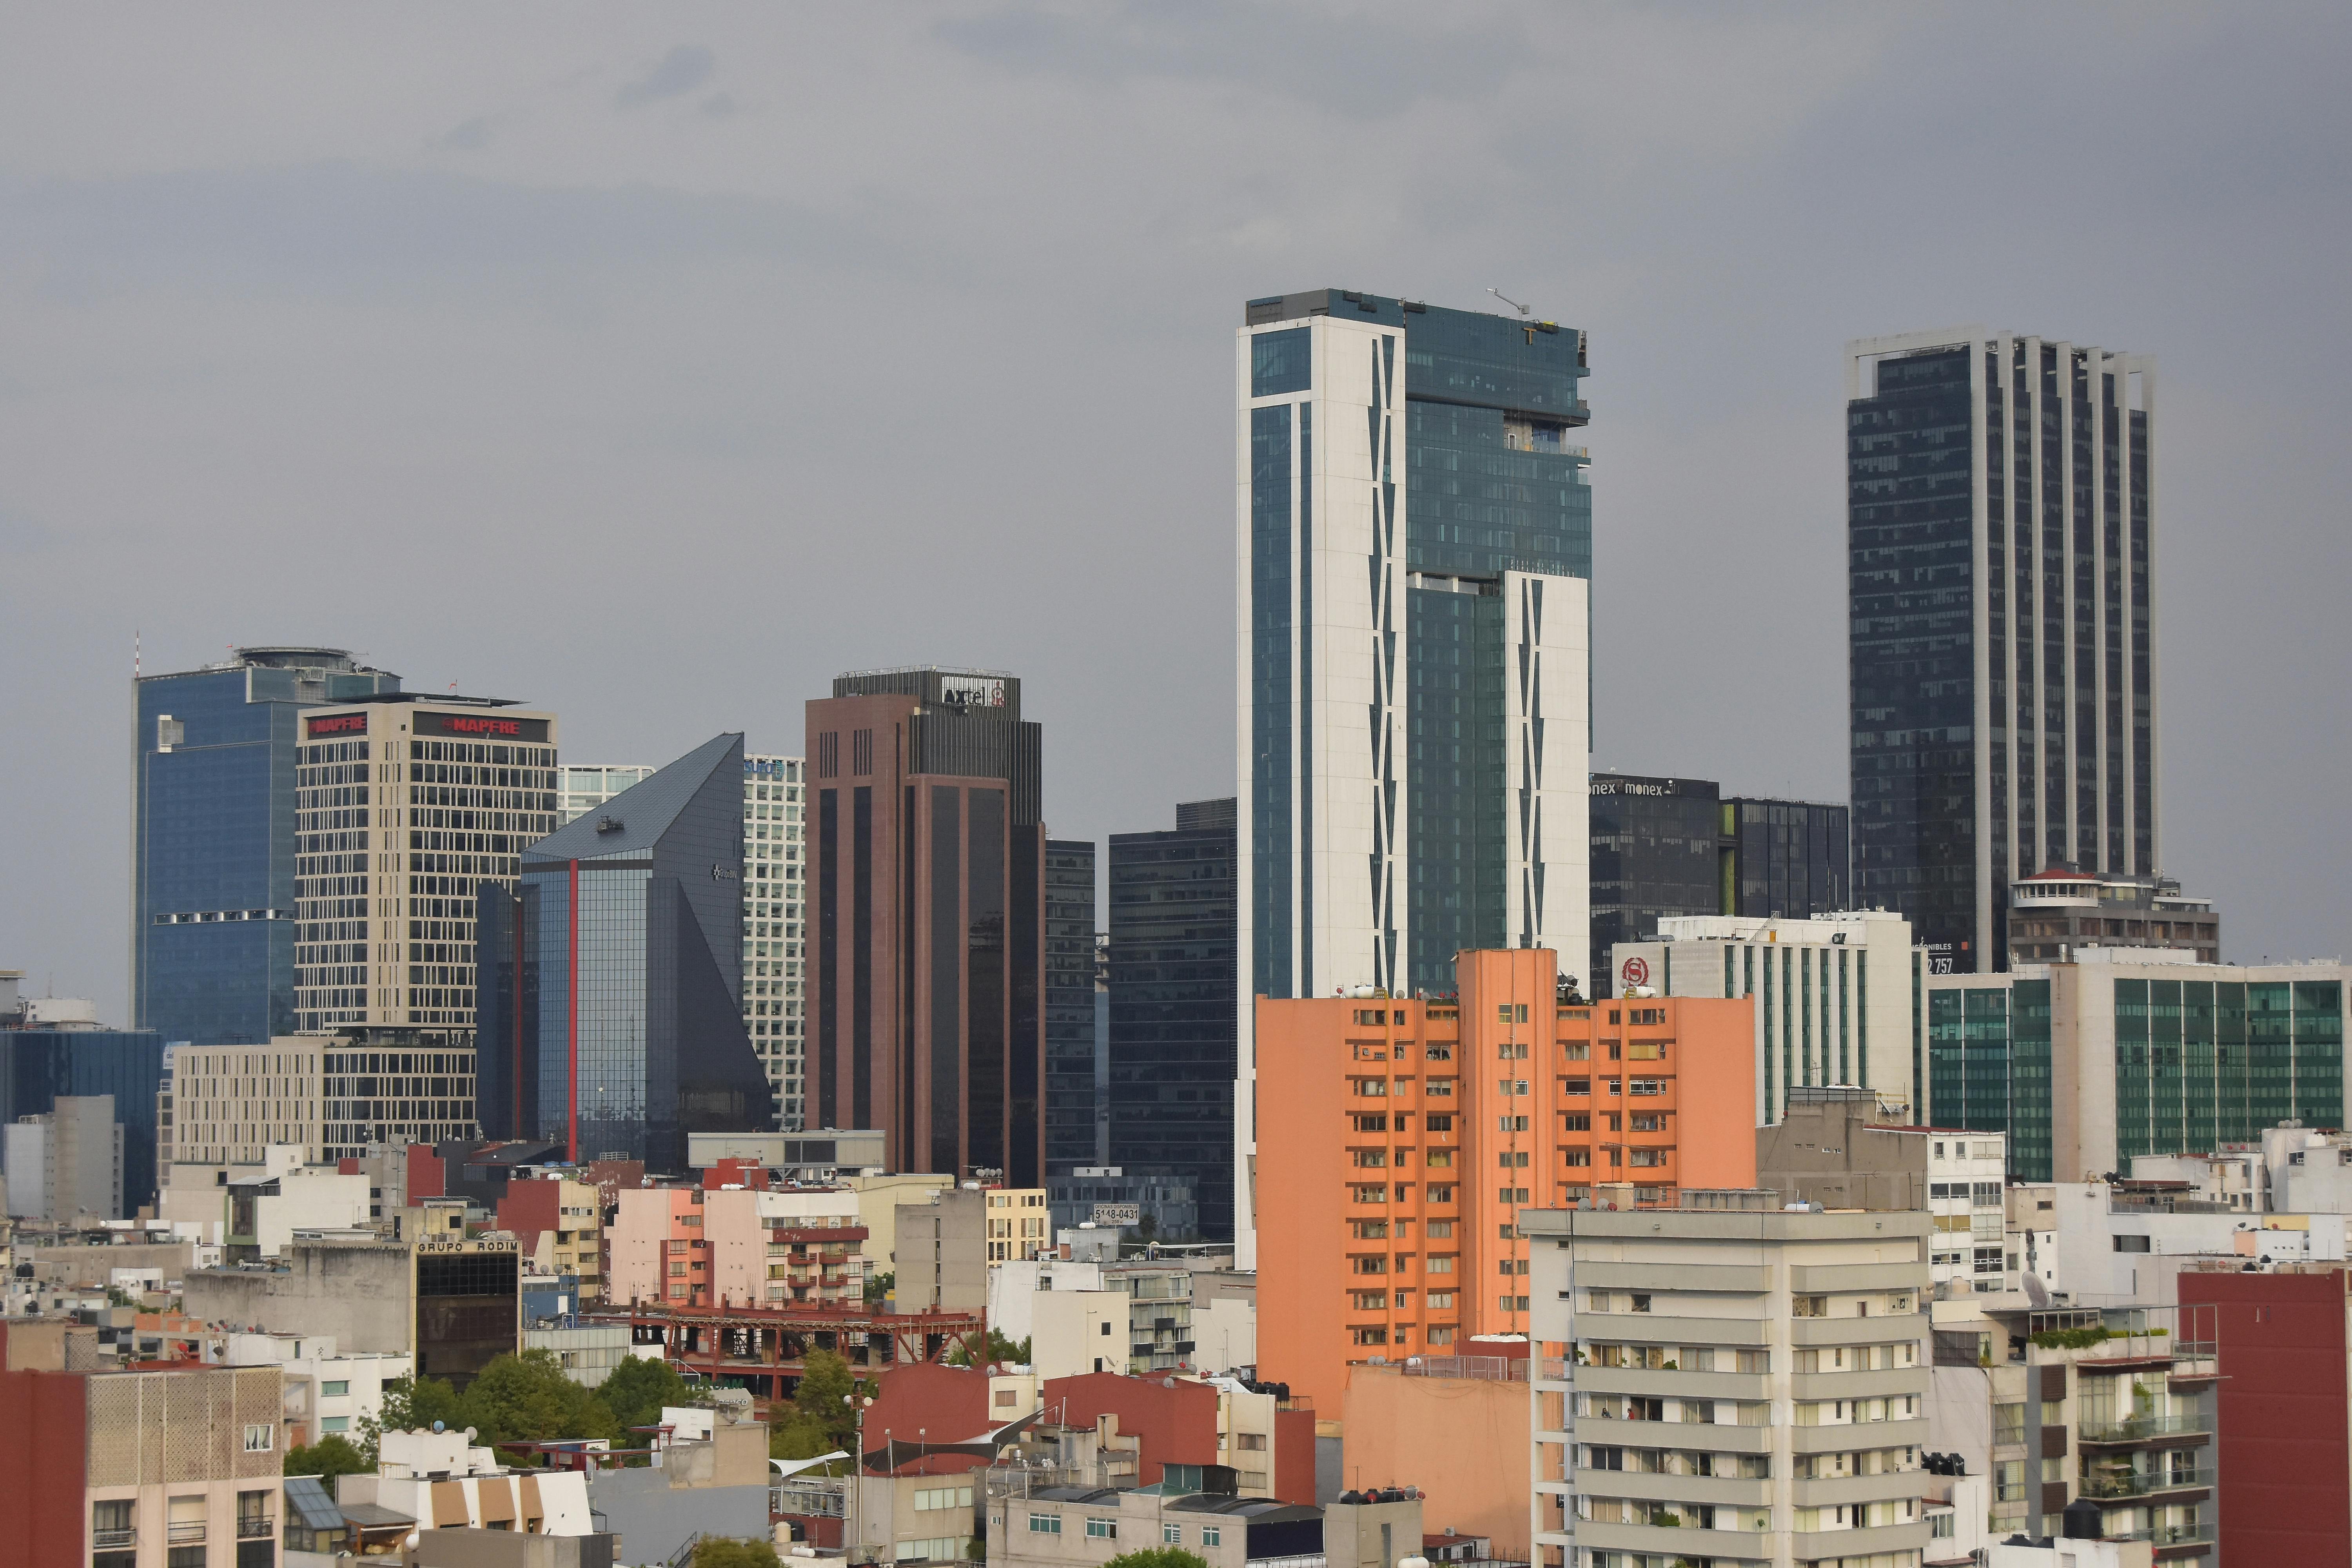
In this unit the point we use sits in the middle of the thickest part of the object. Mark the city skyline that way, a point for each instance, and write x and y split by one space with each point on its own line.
559 296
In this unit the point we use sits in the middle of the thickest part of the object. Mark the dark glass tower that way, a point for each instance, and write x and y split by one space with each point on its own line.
2000 538
39 1065
1173 964
1655 853
1784 857
613 1020
1069 1002
212 850
928 855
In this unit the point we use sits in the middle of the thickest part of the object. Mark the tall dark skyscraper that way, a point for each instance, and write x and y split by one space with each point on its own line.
612 1010
928 855
213 838
2000 532
1069 1002
1173 968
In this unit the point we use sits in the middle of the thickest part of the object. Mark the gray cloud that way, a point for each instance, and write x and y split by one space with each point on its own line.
678 72
931 357
470 135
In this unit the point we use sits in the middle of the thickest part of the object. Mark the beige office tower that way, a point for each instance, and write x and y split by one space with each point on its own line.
405 807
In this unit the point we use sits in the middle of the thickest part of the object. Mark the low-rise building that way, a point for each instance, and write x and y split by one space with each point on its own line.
1749 1383
558 1226
740 1246
2073 1409
1083 1527
254 1211
441 1480
139 1470
1456 1425
326 1393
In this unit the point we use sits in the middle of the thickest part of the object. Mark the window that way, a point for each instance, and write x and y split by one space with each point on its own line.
1641 1302
1102 1529
335 1424
945 1548
1250 1442
260 1439
1106 1329
111 1524
931 1498
1045 1524
2131 1243
337 1390
1212 1536
1171 1535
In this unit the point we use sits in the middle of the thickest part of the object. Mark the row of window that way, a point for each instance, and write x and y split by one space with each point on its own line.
1101 1529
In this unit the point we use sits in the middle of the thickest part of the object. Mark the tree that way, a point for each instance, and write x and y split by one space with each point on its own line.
528 1398
411 1403
332 1455
878 1288
996 1348
1157 1557
822 1399
638 1388
715 1552
795 1435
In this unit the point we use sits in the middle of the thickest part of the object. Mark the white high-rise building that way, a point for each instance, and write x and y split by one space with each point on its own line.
774 961
1414 533
590 785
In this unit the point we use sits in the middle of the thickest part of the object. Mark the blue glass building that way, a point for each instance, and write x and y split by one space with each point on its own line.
211 855
1069 1004
37 1066
1172 984
611 1009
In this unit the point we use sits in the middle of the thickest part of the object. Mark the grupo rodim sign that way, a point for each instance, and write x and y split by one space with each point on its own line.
971 690
480 726
336 724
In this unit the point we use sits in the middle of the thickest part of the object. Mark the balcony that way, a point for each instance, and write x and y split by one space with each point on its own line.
1669 1543
2183 1539
2147 1483
252 1528
190 1532
2141 1428
110 1540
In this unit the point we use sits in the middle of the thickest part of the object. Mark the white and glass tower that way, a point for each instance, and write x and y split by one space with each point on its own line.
1414 537
774 965
588 785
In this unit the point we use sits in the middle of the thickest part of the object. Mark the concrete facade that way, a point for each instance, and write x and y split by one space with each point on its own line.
1797 1342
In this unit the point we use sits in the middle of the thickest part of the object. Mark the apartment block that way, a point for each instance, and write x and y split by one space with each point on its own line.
1020 1226
558 1224
740 1247
141 1470
65 1163
1416 1132
1722 1381
2061 1407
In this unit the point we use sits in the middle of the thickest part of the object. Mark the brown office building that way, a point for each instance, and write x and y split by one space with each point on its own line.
926 933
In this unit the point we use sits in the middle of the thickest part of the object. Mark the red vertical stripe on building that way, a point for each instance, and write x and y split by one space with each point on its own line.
571 1010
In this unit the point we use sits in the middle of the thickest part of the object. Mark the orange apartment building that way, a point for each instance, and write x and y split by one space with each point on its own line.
1400 1139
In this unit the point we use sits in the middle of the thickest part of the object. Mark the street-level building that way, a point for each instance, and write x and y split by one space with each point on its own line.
213 852
1414 540
1728 1382
2130 1051
926 860
2002 541
405 808
1417 1132
141 1469
1838 997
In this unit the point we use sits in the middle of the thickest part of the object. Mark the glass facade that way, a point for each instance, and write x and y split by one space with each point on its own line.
1988 1067
2199 1063
37 1066
1784 857
1653 854
213 858
1273 610
1070 1004
2000 559
1174 957
1910 509
628 1022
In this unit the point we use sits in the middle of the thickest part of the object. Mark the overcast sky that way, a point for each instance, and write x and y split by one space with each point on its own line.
654 363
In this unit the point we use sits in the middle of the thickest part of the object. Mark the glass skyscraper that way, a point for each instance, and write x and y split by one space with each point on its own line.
2000 538
1172 970
612 1011
1415 533
1654 855
1069 1004
212 853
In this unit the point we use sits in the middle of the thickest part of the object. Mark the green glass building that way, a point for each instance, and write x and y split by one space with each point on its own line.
2086 1064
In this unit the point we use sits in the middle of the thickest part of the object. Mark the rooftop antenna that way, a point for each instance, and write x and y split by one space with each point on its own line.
1506 300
